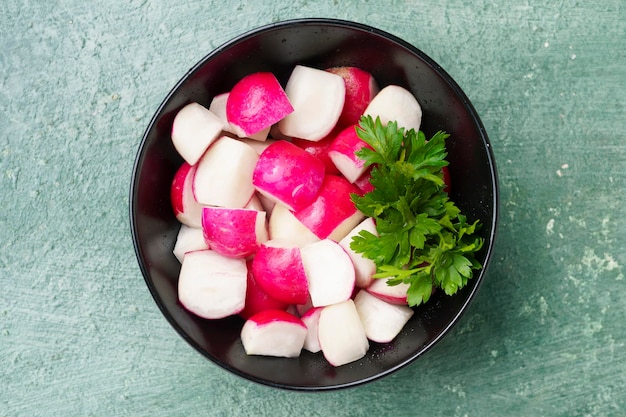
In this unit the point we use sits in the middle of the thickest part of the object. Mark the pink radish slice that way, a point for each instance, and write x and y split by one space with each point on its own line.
273 333
187 240
395 294
341 334
317 97
364 268
361 87
255 103
194 129
256 299
382 321
186 209
343 150
211 285
234 232
396 103
311 319
288 175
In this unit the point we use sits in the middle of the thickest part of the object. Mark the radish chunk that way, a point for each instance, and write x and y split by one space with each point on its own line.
319 150
234 232
329 272
284 226
361 87
288 174
186 209
218 106
341 334
188 239
343 153
394 294
256 299
273 333
255 103
364 268
317 97
332 214
194 129
382 321
311 320
224 174
279 271
211 285
396 103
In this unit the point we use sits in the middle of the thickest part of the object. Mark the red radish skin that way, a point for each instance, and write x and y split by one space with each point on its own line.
342 153
186 209
341 334
311 319
332 214
236 233
194 129
361 87
211 285
223 175
279 271
273 333
187 240
319 150
395 294
255 103
364 268
288 175
395 103
363 182
382 321
257 300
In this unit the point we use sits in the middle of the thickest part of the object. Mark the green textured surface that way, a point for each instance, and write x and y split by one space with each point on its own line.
80 334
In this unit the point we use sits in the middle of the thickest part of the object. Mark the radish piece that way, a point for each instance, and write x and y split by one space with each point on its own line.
396 103
343 153
234 232
255 103
218 106
186 209
363 182
224 174
273 333
329 272
187 240
364 268
256 299
194 129
211 285
284 226
394 294
382 321
279 271
319 150
289 175
361 87
317 97
311 320
332 214
341 334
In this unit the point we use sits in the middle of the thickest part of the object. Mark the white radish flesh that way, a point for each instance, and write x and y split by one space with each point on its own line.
395 103
186 209
284 226
395 294
194 129
311 319
341 334
343 153
273 333
382 321
187 240
364 268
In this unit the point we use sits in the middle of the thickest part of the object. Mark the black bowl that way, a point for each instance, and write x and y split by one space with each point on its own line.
277 48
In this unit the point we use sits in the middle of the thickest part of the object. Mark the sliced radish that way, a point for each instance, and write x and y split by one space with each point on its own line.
194 129
279 271
218 106
273 333
187 240
395 294
284 226
396 103
317 97
186 209
319 150
211 285
341 334
255 103
329 272
332 214
234 232
224 174
382 321
361 87
343 153
364 268
311 319
288 175
256 299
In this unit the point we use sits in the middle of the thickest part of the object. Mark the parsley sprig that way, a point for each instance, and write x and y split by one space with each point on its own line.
423 238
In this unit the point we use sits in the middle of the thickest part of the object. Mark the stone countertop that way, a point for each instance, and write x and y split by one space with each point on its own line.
79 332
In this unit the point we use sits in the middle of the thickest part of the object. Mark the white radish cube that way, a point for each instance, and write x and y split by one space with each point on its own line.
311 319
224 174
218 107
395 294
364 267
317 97
194 129
382 321
187 240
211 285
395 103
343 153
234 232
186 209
273 333
341 334
329 272
284 226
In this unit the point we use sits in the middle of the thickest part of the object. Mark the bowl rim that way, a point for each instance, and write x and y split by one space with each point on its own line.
467 104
